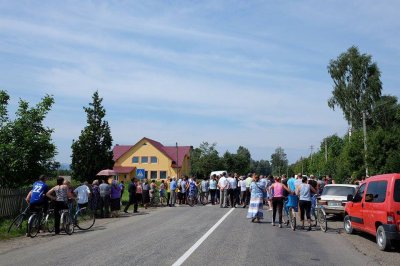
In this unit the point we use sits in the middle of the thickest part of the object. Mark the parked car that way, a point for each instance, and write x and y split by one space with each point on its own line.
334 197
220 172
375 209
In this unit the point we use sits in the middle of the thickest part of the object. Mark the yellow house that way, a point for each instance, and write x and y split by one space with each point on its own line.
157 160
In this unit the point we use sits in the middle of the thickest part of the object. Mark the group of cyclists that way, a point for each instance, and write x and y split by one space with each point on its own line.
62 197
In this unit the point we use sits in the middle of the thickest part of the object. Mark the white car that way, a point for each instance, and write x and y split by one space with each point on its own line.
334 197
220 173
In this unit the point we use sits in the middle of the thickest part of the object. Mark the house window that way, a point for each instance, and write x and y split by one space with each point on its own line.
153 174
163 174
145 159
135 159
146 174
153 159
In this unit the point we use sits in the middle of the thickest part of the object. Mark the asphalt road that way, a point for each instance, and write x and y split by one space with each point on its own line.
161 236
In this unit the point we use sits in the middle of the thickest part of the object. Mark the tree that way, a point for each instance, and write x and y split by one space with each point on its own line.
261 167
205 159
26 146
279 162
92 151
357 85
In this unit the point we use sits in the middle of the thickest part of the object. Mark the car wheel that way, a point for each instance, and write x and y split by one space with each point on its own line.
347 225
381 239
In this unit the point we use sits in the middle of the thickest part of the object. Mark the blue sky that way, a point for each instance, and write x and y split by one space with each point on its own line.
250 73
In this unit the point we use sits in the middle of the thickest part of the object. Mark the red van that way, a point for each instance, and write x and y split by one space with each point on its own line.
375 209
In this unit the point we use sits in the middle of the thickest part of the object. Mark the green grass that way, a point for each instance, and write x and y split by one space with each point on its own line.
4 224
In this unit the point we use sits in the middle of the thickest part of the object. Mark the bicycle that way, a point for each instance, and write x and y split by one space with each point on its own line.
84 218
204 198
37 220
16 224
320 214
290 207
192 198
66 222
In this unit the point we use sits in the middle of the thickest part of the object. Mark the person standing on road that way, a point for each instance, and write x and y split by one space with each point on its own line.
213 188
105 191
132 197
277 192
139 192
62 194
205 188
304 193
95 199
146 193
257 189
248 181
172 186
168 189
183 188
242 185
83 194
162 193
223 185
115 199
232 190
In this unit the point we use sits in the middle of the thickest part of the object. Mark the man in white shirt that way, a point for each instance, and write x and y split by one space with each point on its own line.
83 193
242 185
223 185
231 191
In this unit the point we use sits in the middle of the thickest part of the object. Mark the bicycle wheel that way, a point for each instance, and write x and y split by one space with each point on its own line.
49 221
66 223
292 216
33 225
16 223
190 201
323 223
84 218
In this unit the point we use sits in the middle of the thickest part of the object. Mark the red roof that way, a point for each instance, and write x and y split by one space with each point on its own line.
120 150
169 151
182 151
123 169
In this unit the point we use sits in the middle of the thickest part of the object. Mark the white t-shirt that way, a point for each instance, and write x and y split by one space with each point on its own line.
83 194
242 184
232 182
223 182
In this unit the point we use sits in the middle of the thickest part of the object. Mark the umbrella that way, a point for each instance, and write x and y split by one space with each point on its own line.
107 172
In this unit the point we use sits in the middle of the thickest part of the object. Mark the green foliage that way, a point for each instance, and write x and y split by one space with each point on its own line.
262 167
26 148
279 162
357 85
239 162
205 159
92 152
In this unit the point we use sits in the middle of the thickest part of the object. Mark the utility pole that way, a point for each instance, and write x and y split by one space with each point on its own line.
365 144
311 152
176 163
326 152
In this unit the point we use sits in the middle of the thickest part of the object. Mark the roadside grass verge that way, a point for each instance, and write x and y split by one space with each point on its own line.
4 224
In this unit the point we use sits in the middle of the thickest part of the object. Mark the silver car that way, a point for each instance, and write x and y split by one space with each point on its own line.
334 197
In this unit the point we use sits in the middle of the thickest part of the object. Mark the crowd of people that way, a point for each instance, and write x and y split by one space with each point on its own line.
225 190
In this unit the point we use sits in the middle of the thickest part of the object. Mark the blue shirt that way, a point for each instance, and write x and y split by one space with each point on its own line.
183 186
291 184
213 184
39 190
172 185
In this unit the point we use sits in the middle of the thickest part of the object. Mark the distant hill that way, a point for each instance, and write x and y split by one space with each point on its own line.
65 166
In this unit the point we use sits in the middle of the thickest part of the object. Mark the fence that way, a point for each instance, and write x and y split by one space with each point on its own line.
12 201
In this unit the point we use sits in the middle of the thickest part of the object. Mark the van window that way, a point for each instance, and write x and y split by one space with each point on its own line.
378 190
359 195
397 190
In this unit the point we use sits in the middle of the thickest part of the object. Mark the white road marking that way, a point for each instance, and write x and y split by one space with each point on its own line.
201 240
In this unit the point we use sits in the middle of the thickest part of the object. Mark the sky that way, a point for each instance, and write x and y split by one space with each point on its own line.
249 73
